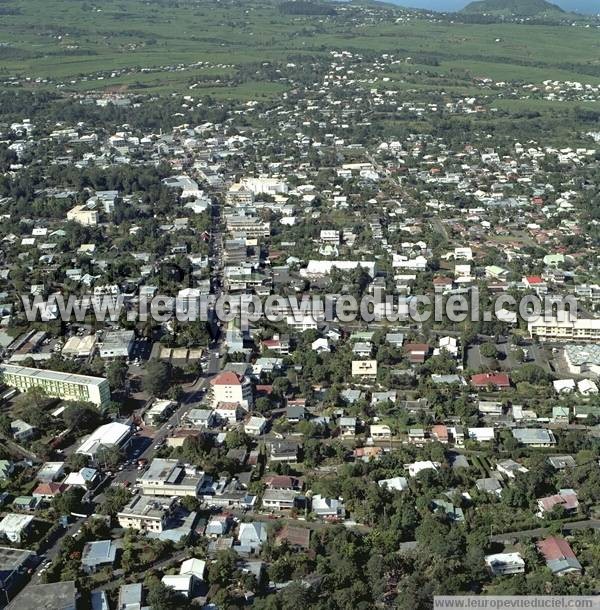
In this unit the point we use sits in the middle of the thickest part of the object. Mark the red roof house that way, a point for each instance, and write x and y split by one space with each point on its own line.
440 433
417 352
501 381
48 491
559 555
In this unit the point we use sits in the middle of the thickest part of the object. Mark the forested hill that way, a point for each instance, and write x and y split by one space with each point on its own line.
525 8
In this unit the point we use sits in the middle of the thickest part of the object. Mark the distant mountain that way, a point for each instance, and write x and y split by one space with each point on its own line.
590 7
523 8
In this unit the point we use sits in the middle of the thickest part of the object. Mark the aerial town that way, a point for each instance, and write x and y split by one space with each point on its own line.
153 459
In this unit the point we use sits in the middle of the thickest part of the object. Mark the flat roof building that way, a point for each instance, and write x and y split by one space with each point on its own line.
534 437
159 411
568 329
13 568
50 596
117 344
170 478
55 384
505 563
14 526
145 513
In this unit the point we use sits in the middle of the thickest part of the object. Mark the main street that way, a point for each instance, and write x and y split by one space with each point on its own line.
148 441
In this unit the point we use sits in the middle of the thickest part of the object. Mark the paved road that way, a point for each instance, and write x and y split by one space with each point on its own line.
52 551
144 445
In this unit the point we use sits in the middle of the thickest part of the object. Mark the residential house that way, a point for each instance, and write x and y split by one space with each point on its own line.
347 426
510 468
255 425
482 435
279 499
366 454
380 432
229 412
22 431
364 368
559 556
490 408
562 462
50 471
278 344
201 418
252 536
283 451
48 491
328 508
440 433
320 345
297 538
179 583
130 597
6 469
417 467
561 415
565 499
498 381
283 481
15 527
394 484
489 485
98 555
295 413
416 352
417 436
218 525
451 512
502 564
146 513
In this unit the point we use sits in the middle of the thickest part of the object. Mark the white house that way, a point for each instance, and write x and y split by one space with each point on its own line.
501 564
255 425
14 526
380 432
395 484
416 467
328 508
252 536
364 368
180 583
482 435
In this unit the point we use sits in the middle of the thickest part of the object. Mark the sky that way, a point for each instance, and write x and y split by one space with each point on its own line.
582 6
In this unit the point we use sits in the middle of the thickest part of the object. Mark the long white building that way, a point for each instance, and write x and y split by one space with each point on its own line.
581 329
55 384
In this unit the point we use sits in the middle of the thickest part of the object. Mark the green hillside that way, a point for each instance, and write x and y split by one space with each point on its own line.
241 49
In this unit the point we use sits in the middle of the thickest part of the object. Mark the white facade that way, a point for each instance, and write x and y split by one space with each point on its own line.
83 216
14 526
582 329
505 563
228 387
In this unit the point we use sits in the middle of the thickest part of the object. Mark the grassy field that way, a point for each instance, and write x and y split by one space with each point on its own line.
77 44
